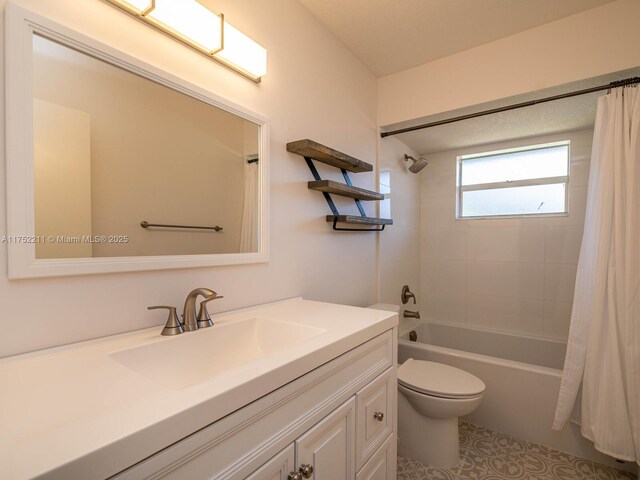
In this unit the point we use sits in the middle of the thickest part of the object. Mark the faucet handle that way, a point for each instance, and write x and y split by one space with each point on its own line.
204 320
173 325
406 295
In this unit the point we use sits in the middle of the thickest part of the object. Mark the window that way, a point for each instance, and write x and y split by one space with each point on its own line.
529 180
385 188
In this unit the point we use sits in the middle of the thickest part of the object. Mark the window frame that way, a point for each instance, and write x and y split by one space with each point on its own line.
460 189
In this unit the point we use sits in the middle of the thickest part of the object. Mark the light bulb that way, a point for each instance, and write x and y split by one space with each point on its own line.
188 19
242 52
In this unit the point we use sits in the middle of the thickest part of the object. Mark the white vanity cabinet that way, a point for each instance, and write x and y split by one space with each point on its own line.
278 468
339 418
329 446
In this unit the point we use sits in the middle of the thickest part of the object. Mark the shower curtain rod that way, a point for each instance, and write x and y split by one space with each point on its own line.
619 83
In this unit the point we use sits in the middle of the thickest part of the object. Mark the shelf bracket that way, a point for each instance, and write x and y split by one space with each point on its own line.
332 205
335 221
316 176
312 151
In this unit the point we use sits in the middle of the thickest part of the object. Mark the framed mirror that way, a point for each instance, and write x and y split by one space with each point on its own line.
114 165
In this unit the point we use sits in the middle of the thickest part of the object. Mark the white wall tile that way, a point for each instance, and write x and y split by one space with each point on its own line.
522 280
444 275
439 178
557 318
439 211
397 274
579 173
507 314
444 243
444 307
515 244
559 282
505 222
398 243
563 243
577 208
520 272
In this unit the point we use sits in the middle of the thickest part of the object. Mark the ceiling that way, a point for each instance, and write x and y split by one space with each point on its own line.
564 115
393 35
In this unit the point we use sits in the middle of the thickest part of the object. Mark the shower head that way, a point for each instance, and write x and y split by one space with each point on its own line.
417 165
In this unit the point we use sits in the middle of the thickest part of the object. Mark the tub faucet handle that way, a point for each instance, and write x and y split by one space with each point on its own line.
406 295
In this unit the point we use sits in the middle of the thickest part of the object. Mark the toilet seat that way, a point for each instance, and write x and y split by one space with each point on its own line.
439 380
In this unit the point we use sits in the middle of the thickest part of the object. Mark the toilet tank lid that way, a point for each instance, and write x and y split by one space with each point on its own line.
387 307
438 379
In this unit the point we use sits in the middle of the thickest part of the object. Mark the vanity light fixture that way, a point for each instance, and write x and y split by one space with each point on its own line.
198 27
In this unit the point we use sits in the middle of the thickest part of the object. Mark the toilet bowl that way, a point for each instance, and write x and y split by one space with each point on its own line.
432 397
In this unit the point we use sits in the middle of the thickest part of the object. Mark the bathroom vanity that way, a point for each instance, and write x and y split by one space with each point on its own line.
290 390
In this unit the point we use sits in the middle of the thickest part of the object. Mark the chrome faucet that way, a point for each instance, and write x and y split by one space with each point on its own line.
189 318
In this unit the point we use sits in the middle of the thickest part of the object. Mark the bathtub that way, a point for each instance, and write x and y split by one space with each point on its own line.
522 375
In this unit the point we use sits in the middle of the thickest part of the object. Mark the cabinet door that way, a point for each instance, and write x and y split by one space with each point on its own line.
382 465
329 447
278 468
375 412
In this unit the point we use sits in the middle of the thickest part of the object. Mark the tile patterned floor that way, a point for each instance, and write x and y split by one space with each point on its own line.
489 455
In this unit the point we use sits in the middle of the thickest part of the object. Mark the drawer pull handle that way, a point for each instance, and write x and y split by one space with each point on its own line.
378 416
294 476
306 470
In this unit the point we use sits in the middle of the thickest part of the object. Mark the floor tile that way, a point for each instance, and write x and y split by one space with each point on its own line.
489 455
603 472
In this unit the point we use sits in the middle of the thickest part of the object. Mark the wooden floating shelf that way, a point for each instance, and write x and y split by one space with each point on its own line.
324 154
358 220
337 188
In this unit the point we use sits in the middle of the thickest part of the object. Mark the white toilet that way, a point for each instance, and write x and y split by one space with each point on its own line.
432 397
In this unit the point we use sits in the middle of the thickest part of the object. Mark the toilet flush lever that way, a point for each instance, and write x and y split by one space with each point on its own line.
406 295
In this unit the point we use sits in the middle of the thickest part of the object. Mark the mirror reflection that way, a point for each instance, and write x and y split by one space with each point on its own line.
113 150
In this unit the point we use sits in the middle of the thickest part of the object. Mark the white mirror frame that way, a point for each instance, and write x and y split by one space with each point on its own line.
21 25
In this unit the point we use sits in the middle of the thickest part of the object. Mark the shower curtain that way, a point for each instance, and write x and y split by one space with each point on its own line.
603 350
249 231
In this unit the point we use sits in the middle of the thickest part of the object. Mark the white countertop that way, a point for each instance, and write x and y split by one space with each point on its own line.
75 412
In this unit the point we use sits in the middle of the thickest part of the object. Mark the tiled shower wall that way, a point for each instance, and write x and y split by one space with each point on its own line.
514 275
400 243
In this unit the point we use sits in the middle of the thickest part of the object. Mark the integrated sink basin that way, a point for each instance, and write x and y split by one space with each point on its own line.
190 358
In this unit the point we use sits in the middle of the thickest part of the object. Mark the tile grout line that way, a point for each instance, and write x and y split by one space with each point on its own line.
460 465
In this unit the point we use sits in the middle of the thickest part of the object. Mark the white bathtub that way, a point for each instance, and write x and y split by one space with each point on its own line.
522 375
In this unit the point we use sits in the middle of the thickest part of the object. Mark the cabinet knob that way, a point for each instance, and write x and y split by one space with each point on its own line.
306 470
294 476
378 416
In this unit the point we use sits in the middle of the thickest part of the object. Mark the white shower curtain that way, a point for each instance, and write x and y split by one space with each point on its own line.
249 232
604 340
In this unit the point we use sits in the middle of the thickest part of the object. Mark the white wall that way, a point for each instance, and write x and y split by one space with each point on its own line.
400 243
513 275
591 43
315 88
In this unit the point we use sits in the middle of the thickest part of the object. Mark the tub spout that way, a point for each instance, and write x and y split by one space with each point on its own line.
410 314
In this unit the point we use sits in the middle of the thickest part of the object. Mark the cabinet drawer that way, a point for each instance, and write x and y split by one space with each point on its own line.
278 468
382 465
374 415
